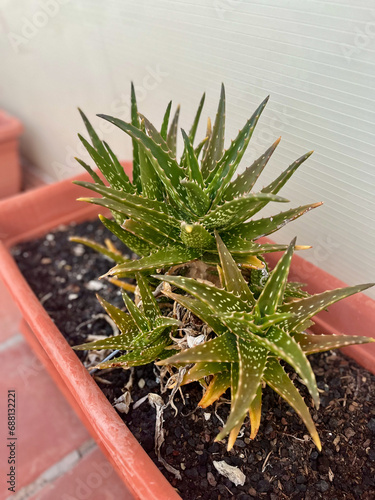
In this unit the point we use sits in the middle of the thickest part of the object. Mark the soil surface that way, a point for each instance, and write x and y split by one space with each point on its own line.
281 463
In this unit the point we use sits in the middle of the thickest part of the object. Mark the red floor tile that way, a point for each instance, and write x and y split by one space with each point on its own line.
47 428
9 315
93 478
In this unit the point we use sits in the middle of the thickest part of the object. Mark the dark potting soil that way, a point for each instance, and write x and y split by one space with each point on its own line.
281 463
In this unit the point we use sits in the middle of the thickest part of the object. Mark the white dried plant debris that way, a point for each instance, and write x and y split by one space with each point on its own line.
207 416
94 357
217 404
176 387
139 402
193 341
91 337
122 404
232 473
190 337
157 402
98 378
129 383
161 377
45 297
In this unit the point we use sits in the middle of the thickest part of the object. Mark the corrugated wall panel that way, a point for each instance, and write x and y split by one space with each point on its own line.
315 58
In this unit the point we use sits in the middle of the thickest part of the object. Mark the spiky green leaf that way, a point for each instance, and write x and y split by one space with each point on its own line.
218 385
192 164
219 349
231 159
202 370
219 301
318 343
198 149
233 279
215 145
279 343
168 169
96 142
150 234
90 171
104 165
279 381
165 123
141 210
137 315
245 181
137 357
165 257
155 135
120 342
252 361
236 211
197 236
126 185
155 335
273 291
278 183
237 246
149 304
194 127
262 227
136 243
125 323
136 123
255 412
151 185
172 132
197 199
116 257
305 309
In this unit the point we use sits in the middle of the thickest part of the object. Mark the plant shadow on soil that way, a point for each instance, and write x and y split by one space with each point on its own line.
281 463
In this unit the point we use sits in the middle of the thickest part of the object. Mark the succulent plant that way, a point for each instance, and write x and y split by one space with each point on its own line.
177 211
169 212
145 332
255 335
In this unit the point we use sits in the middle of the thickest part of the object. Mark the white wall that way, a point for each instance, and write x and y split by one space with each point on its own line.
315 58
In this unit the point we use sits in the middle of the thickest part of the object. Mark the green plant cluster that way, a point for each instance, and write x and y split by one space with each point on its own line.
177 213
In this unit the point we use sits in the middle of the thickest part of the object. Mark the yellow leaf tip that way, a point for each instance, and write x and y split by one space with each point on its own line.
302 247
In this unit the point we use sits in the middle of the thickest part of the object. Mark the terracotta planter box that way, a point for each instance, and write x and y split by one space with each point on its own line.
10 169
32 214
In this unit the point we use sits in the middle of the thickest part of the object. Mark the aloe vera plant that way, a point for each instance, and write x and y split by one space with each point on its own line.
170 210
253 333
144 331
178 212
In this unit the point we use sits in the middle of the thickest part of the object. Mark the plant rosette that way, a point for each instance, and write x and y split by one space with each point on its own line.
190 216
